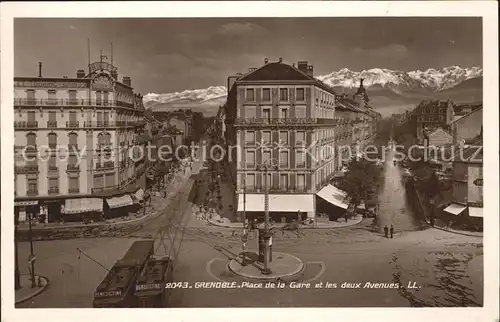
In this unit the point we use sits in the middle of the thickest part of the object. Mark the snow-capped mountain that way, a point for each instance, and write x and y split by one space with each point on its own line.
399 81
390 84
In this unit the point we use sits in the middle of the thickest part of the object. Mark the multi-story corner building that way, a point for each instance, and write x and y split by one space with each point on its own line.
280 115
75 142
467 172
432 114
467 126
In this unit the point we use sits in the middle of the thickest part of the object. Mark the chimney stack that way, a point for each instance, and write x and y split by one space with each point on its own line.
114 74
302 66
280 60
80 73
310 70
39 69
127 81
266 60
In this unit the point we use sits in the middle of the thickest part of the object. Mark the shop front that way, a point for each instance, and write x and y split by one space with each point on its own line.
120 206
82 210
282 207
23 210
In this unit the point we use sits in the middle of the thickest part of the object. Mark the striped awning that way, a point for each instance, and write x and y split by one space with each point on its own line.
278 203
333 195
476 212
122 201
139 194
76 206
26 203
455 209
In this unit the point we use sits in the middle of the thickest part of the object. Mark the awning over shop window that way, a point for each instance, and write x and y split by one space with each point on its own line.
455 209
139 194
476 212
122 201
75 206
26 203
277 203
334 196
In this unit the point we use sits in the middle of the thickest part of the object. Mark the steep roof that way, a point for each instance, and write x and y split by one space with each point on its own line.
279 71
474 110
276 71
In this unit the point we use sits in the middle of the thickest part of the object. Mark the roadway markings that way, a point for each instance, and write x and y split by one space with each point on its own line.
209 270
321 271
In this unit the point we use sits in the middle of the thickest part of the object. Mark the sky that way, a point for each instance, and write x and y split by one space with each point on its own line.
170 55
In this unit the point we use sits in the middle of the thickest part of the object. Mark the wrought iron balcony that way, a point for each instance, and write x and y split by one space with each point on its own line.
106 189
73 167
275 121
105 165
72 124
32 192
73 190
53 168
73 147
69 102
53 190
25 124
52 124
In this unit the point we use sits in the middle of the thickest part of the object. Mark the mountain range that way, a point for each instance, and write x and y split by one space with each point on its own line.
390 91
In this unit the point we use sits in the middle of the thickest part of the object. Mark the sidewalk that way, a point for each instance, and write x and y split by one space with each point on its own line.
330 225
157 204
26 292
436 222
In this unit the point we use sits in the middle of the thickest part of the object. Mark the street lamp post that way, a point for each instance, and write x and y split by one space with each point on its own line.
267 234
32 255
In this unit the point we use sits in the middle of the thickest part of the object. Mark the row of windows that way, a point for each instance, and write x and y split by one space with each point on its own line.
283 113
250 94
73 116
250 182
31 94
266 137
53 185
284 158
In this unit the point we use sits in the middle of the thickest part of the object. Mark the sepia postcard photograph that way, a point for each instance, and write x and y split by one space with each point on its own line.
281 159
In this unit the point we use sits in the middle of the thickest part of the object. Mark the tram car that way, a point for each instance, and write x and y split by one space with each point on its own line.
151 288
118 286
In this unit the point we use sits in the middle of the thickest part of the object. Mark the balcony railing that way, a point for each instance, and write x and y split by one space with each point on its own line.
72 124
73 167
105 165
53 190
105 189
25 124
275 121
73 190
53 168
70 102
52 124
32 192
73 147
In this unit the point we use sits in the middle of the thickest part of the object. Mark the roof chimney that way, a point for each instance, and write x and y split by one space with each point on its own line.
310 70
127 81
40 69
80 73
252 70
280 60
266 60
302 66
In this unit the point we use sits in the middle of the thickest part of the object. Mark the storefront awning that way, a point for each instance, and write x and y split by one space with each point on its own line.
122 201
75 206
333 195
26 203
277 203
455 209
139 194
476 212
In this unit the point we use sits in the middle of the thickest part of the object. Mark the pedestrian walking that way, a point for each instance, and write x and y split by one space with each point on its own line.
386 231
392 231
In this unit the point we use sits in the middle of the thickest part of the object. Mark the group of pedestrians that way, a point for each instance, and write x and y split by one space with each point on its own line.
388 230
